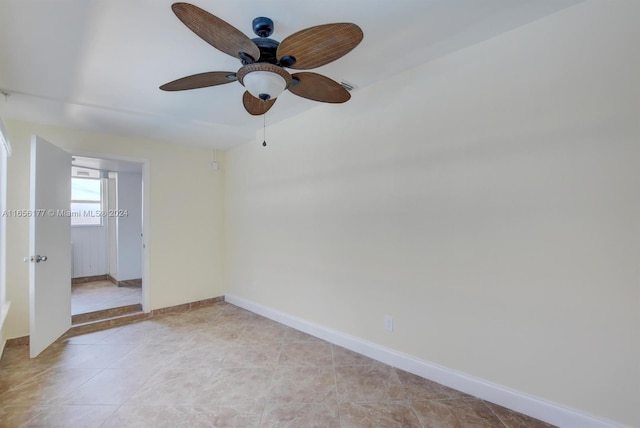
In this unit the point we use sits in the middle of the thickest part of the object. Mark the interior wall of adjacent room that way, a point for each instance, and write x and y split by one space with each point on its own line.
487 200
112 224
185 221
129 224
117 242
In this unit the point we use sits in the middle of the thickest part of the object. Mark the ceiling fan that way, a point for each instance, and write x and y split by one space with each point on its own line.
264 60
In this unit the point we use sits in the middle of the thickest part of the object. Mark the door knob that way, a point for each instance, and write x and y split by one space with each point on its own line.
38 259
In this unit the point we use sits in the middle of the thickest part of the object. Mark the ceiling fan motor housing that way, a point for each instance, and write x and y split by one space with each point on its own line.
268 50
263 28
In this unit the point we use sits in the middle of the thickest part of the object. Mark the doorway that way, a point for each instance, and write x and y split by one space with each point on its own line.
107 236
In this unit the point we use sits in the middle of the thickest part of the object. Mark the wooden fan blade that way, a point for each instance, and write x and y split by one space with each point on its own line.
215 31
201 80
320 45
256 106
317 87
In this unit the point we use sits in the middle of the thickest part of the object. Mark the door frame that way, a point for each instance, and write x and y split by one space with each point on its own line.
5 153
146 186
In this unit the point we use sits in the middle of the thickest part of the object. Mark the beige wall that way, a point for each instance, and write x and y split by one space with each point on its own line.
488 201
185 225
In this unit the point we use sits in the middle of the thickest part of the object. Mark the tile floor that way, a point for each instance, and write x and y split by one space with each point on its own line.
221 366
98 295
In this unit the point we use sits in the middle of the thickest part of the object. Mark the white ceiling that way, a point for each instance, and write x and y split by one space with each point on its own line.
97 64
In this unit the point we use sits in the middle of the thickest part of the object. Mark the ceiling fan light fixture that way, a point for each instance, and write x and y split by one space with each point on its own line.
264 84
264 81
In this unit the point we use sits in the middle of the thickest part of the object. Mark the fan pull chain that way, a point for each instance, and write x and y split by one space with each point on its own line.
264 130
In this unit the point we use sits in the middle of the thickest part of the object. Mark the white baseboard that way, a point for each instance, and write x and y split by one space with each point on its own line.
535 407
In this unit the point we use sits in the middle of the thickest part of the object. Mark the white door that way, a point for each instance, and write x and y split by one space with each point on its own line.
49 244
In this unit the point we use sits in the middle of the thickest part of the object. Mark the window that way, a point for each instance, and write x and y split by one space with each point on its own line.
86 201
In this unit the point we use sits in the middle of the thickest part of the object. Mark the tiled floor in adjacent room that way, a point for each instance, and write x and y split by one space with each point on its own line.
221 366
98 295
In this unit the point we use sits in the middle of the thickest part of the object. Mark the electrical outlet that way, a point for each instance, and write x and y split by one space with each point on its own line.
388 322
